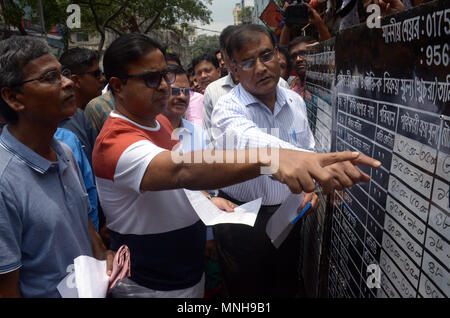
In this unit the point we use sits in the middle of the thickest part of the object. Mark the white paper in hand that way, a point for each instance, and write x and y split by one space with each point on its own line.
211 215
283 216
90 277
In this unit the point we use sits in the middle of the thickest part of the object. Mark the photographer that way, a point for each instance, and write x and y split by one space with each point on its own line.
298 13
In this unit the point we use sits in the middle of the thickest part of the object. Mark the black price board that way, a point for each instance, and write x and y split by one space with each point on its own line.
391 100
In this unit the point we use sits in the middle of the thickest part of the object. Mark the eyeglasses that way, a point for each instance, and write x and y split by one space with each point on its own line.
153 79
250 63
296 55
51 77
97 73
176 91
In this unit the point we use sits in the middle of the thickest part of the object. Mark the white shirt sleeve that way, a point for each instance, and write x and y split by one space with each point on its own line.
133 163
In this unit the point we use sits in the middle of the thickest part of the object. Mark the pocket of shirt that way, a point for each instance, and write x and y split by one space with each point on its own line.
299 138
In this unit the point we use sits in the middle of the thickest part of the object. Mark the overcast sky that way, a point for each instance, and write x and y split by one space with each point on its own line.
222 15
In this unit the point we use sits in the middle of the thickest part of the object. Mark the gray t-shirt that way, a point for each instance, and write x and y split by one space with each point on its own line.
43 215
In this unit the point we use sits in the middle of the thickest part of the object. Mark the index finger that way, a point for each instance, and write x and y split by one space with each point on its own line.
366 161
326 159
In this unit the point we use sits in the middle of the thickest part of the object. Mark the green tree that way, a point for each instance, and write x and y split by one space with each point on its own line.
204 44
120 16
245 15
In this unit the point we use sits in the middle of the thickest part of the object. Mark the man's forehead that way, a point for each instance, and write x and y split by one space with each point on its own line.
42 64
181 81
204 64
302 46
259 42
151 61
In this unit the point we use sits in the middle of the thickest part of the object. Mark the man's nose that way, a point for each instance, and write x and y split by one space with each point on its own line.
102 78
260 66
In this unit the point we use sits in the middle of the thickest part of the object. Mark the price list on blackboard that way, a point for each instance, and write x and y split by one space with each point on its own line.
320 79
390 236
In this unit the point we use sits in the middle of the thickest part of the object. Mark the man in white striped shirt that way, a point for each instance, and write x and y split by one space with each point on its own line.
223 85
259 113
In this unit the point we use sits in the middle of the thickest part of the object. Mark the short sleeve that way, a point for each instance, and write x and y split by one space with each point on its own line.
10 237
133 163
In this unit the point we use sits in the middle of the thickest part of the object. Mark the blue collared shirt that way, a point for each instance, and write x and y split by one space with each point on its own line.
71 140
241 121
192 137
43 215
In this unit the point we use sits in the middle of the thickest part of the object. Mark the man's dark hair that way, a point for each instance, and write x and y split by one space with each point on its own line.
205 57
125 50
225 36
284 50
173 57
15 53
301 39
79 60
177 70
245 34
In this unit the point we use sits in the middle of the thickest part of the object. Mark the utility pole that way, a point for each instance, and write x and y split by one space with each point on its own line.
41 14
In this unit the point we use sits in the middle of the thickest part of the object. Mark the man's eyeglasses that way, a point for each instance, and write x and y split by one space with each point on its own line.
264 58
153 79
176 91
296 55
97 73
51 77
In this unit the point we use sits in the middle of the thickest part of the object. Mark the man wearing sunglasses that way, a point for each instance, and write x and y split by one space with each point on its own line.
44 206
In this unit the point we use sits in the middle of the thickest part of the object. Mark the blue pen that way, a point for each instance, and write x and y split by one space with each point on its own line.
298 217
284 234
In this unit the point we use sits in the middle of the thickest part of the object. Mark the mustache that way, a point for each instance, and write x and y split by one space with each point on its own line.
179 101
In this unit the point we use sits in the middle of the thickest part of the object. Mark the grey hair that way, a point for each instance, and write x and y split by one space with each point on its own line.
15 53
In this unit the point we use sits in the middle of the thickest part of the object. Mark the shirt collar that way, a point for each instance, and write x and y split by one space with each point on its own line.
28 156
228 81
249 99
186 126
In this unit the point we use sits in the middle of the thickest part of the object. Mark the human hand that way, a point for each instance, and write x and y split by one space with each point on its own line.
223 204
298 169
346 173
390 6
314 17
307 198
107 255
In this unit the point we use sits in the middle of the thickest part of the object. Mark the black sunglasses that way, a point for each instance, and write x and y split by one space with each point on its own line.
176 91
153 79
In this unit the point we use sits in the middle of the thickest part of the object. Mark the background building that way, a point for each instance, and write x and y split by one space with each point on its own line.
236 11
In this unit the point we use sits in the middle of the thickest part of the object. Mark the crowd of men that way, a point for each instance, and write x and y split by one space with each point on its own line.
84 172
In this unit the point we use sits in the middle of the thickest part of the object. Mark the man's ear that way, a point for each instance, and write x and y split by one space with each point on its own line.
116 84
13 98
